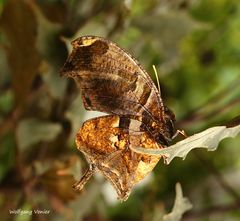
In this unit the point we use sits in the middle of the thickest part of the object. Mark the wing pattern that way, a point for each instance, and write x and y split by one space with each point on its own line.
111 80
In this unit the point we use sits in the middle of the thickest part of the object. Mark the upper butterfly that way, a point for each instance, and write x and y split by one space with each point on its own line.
112 81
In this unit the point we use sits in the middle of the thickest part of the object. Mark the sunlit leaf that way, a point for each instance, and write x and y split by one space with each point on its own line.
208 139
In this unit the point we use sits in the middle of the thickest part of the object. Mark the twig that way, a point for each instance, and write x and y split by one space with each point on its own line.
230 105
195 114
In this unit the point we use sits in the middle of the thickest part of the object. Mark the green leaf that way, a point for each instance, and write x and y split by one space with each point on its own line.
209 139
6 101
7 154
31 131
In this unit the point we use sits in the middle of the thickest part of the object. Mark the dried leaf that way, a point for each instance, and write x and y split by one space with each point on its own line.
181 205
31 131
209 139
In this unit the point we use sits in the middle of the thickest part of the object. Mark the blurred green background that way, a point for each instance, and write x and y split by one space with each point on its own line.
195 45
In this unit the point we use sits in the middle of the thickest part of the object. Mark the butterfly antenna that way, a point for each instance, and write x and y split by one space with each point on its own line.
159 89
156 75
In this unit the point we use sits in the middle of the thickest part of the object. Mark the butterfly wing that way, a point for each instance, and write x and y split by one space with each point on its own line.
111 153
111 80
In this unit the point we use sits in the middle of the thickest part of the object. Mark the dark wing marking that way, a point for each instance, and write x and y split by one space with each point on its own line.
111 80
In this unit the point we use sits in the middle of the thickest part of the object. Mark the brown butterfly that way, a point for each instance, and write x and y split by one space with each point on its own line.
112 81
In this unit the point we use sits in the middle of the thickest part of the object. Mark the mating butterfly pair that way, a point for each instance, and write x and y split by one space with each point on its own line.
112 81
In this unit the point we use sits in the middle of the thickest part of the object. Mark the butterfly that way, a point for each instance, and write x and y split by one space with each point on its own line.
112 81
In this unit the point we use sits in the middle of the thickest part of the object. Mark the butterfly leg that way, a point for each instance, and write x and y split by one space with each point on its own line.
87 175
180 132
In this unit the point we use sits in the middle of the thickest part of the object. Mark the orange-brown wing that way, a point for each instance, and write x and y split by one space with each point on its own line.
111 155
111 80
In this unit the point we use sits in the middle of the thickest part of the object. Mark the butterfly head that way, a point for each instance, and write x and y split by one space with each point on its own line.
166 130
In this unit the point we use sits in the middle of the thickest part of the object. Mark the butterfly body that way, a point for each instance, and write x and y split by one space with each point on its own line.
112 81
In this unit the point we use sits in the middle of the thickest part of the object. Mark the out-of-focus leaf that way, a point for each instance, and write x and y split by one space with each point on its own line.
203 10
53 50
32 131
6 101
25 213
80 207
181 205
19 25
5 71
209 139
61 176
7 155
55 11
157 27
94 28
2 2
75 114
71 165
57 85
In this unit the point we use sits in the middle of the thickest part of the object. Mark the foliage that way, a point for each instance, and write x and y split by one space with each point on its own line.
195 47
208 139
